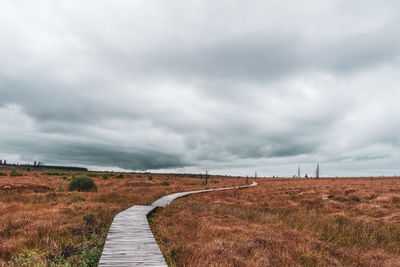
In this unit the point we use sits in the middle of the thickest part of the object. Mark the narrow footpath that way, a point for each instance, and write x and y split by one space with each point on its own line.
130 241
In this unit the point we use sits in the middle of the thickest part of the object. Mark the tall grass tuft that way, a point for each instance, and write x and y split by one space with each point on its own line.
82 184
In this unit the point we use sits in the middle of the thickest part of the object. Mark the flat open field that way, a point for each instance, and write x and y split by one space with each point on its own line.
42 223
291 222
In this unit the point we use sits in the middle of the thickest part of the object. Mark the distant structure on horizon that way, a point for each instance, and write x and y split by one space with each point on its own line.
298 172
317 171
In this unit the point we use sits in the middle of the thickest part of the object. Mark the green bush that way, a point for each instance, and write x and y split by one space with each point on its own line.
3 174
27 258
82 183
165 183
92 251
14 173
120 175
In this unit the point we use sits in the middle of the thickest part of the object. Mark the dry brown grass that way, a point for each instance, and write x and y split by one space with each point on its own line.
42 223
285 223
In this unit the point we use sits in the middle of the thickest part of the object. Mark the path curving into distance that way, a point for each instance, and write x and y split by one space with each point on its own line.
130 241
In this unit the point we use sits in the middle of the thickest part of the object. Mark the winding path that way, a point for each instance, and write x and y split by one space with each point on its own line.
130 241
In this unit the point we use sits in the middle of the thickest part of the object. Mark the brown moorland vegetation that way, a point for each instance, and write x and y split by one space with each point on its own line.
42 223
287 222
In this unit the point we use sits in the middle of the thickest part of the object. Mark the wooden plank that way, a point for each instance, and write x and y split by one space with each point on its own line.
130 241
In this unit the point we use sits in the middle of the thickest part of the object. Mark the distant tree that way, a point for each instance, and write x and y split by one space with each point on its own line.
5 162
34 163
1 161
306 176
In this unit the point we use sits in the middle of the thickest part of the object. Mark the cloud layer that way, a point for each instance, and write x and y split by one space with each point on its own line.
230 87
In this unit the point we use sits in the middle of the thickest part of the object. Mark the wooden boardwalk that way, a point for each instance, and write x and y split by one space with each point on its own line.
130 241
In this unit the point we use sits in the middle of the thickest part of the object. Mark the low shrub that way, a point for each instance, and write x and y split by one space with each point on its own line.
355 198
76 198
89 218
150 177
15 173
92 251
82 184
396 199
177 254
340 199
28 258
55 173
120 175
164 183
349 191
60 188
3 174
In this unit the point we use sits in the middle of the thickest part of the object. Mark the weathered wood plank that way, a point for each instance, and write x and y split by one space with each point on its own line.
130 241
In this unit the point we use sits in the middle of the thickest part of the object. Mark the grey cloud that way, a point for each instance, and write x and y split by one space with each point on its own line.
157 88
264 57
272 57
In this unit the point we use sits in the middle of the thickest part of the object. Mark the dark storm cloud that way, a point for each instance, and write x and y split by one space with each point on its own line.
92 154
151 85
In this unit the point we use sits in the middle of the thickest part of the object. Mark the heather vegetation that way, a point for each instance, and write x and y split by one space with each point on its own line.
292 222
44 224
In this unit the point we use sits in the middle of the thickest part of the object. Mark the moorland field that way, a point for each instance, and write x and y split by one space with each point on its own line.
281 222
44 224
287 222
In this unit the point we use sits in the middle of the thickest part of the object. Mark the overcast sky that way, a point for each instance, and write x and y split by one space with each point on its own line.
231 87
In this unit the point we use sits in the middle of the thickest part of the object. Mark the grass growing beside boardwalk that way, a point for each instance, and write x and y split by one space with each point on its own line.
325 222
42 224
